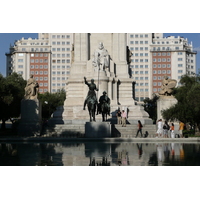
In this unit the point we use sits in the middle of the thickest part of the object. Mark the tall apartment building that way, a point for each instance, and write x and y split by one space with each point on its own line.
154 56
31 56
61 47
48 58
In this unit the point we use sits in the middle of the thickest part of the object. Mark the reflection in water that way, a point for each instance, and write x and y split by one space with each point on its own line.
99 154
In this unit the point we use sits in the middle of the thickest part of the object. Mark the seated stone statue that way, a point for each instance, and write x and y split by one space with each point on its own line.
101 57
31 89
167 86
104 99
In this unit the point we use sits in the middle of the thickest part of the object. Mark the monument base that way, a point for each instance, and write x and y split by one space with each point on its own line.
30 123
163 103
97 130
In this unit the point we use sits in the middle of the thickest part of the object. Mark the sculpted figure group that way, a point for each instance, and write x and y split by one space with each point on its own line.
167 86
103 107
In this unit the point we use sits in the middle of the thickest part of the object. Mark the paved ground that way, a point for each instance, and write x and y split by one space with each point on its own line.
141 140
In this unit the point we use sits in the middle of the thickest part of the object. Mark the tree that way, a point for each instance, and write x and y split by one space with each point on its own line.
12 92
187 108
50 101
150 106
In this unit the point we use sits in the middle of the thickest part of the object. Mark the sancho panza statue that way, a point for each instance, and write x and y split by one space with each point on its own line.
31 89
167 86
101 57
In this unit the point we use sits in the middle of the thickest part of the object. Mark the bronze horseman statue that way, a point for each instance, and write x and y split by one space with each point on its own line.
91 99
104 106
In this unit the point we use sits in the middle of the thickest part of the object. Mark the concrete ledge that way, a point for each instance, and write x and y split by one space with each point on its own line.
108 140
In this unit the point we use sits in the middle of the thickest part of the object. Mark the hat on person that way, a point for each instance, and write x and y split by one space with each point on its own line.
104 92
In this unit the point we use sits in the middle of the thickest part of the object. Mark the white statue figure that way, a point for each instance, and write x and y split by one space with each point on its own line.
101 57
31 89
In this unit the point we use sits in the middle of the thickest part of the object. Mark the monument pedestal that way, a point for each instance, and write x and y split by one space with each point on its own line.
163 103
30 123
97 130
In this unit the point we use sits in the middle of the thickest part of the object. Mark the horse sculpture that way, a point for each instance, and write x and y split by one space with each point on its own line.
104 106
92 104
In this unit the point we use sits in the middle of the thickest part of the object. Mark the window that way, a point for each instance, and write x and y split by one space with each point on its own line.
180 59
131 42
20 60
20 66
180 71
180 65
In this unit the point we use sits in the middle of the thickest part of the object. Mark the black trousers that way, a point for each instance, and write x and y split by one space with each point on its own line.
139 130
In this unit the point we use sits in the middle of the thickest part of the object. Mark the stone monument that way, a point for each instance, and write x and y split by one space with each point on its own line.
166 100
104 58
30 123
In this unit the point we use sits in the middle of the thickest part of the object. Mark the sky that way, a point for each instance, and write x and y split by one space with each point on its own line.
9 38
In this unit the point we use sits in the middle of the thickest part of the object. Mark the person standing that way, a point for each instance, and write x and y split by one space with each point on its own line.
160 128
165 129
123 118
181 127
172 130
119 117
139 128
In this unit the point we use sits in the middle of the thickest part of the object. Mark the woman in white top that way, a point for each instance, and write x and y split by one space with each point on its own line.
160 128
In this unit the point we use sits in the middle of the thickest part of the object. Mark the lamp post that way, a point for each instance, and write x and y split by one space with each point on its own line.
47 103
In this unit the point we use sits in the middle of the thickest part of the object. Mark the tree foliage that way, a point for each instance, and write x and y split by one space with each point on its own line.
150 106
187 108
50 101
12 92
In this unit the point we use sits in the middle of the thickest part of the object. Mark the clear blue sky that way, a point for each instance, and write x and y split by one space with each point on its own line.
9 38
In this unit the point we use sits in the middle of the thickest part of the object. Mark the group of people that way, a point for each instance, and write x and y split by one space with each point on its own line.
166 130
121 117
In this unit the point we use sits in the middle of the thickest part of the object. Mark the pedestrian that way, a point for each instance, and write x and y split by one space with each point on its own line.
139 128
123 118
160 128
181 127
119 117
172 130
165 129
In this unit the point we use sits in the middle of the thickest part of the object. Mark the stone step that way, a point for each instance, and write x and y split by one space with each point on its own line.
117 130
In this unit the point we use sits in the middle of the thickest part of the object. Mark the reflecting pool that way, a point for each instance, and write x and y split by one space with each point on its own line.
99 154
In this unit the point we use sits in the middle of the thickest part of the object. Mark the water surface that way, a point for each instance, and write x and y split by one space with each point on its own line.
99 154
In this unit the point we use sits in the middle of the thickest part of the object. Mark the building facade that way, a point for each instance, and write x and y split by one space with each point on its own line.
153 56
61 47
31 56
